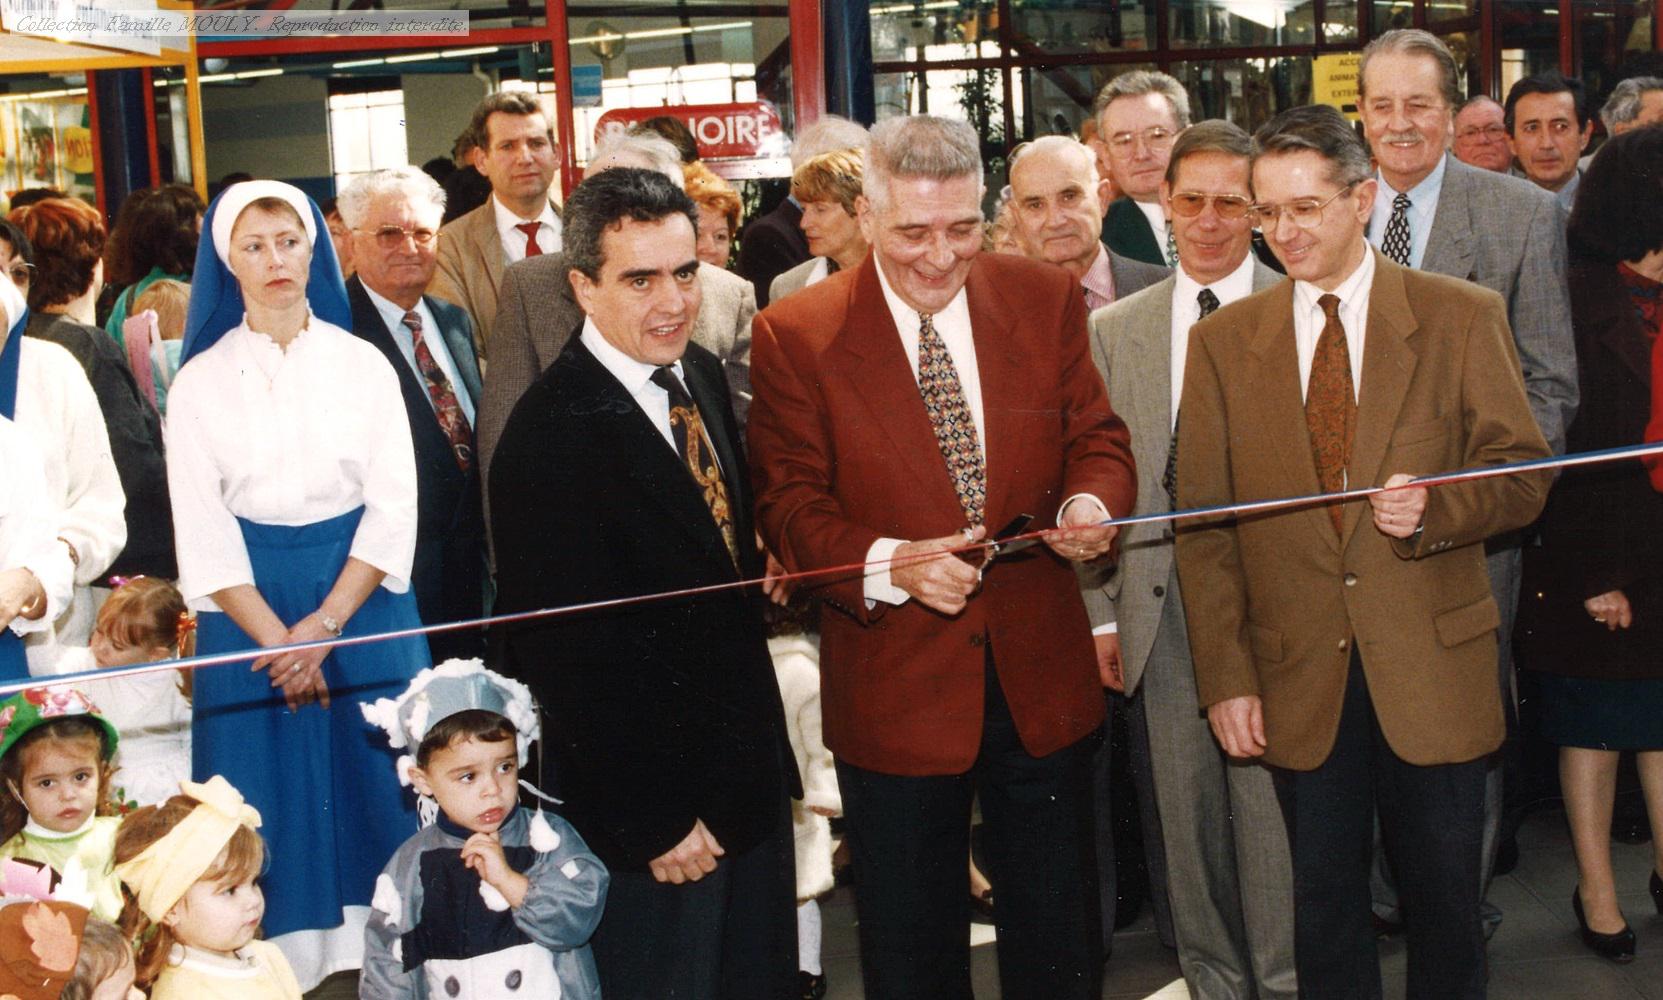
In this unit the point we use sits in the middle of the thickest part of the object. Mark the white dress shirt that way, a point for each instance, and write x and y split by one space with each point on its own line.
1309 319
392 314
29 526
1186 312
514 240
287 437
636 378
1423 205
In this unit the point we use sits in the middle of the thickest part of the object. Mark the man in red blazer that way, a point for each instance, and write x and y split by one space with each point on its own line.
905 408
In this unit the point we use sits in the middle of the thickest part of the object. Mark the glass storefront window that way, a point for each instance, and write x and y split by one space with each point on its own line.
1339 21
1055 100
1245 91
1080 27
1609 36
1464 46
1389 15
1240 23
173 137
46 135
914 30
1529 36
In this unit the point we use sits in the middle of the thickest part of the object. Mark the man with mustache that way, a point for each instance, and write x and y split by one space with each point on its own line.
1436 213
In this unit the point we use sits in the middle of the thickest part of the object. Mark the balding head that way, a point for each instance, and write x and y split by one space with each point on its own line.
1058 199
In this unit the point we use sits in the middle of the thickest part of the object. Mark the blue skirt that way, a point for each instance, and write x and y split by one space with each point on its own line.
14 666
323 780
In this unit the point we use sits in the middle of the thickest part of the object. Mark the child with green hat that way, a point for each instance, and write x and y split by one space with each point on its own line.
55 807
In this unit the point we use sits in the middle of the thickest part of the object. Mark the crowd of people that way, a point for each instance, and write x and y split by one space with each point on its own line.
837 504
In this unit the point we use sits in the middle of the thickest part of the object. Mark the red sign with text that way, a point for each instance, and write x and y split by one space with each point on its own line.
724 131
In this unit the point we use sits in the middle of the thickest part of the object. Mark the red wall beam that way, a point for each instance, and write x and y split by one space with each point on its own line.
808 62
559 38
150 125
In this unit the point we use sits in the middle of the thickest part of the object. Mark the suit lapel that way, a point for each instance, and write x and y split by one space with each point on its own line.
881 375
1388 364
460 345
992 322
1449 246
368 323
488 246
1150 342
1130 235
1277 403
708 398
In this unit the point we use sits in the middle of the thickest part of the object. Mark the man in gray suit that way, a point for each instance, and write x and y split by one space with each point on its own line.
1229 877
1438 214
1057 198
539 312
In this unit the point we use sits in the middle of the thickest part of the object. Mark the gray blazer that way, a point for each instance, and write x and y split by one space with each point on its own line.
1131 343
1508 235
1133 276
793 280
539 313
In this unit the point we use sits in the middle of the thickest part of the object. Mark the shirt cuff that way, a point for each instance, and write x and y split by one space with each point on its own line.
878 588
1102 511
1107 628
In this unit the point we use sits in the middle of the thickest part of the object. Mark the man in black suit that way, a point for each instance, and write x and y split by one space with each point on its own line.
394 218
620 474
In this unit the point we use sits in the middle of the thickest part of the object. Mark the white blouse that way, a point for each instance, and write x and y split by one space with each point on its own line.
287 438
29 526
58 410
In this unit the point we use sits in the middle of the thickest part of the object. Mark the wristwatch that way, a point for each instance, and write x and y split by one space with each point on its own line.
329 624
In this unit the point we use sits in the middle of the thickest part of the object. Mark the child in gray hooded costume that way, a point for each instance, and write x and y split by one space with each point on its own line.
488 901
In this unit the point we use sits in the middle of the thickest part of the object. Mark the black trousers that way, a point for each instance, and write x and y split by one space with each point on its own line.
1432 821
909 842
732 935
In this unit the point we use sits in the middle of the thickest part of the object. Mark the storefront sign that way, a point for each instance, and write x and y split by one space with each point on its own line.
1334 81
746 131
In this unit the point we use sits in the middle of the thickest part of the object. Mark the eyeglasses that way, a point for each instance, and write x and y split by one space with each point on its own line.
21 273
393 237
1306 213
1228 206
1122 143
1489 132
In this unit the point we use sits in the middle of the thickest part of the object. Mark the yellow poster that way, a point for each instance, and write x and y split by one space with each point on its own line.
1334 81
77 149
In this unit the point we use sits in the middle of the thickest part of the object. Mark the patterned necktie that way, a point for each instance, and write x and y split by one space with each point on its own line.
1331 405
1396 242
693 444
452 420
1171 247
530 231
1169 478
955 430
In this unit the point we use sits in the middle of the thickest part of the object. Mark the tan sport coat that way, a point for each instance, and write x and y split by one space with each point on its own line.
1275 601
470 269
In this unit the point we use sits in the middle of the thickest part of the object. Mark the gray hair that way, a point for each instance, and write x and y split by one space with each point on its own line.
423 192
1138 82
1215 135
1623 106
920 146
1415 42
1059 145
828 134
1322 130
645 149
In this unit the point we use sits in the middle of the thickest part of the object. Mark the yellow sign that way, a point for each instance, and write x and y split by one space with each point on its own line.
1334 81
77 151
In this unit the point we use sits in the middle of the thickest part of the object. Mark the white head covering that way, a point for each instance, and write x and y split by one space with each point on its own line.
239 196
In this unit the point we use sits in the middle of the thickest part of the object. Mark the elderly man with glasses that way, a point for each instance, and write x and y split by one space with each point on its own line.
1139 115
393 217
1227 870
1481 135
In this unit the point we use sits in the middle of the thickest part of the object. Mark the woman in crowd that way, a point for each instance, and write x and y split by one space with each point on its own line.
718 212
68 238
295 497
154 237
826 186
1602 690
45 391
36 576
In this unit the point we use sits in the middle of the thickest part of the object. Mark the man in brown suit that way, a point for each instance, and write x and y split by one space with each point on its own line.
515 150
1353 646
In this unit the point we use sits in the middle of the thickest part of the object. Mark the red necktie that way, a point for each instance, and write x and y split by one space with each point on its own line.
452 420
530 231
1331 405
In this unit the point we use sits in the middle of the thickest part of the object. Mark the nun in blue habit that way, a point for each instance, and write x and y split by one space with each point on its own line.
294 505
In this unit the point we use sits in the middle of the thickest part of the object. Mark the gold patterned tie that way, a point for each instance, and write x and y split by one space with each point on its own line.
1331 405
694 446
955 430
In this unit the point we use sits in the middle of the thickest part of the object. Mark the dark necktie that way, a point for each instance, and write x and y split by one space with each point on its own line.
1331 405
1396 242
955 429
530 231
452 420
693 444
1169 479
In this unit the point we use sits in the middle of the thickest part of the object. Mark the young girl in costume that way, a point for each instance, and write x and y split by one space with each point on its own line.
143 621
55 803
189 866
58 951
488 899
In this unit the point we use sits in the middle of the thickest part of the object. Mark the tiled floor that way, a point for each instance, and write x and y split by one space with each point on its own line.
1535 955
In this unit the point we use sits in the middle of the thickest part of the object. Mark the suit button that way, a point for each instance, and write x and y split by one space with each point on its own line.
978 639
1345 644
1160 591
1351 579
